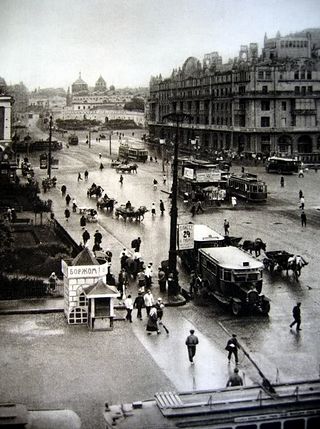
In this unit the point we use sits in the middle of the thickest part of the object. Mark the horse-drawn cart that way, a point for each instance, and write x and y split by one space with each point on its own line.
90 214
131 213
95 191
127 168
106 202
280 260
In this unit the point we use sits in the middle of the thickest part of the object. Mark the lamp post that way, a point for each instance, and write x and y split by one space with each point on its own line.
49 154
162 142
173 286
110 134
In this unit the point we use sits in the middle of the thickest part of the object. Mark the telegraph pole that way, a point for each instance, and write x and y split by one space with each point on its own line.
50 140
173 287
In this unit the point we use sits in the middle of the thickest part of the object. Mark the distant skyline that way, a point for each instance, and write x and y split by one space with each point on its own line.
46 43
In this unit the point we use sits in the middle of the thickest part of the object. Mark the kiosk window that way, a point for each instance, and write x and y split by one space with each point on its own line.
271 425
227 275
294 424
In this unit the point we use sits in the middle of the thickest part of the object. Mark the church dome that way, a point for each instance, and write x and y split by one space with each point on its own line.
100 84
79 85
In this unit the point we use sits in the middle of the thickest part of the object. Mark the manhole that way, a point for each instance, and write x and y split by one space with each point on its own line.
277 223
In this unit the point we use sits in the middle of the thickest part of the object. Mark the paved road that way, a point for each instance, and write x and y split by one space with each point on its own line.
126 364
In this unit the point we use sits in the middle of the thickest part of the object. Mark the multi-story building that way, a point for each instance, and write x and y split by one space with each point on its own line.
267 104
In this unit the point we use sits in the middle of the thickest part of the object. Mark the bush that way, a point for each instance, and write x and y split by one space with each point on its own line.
21 287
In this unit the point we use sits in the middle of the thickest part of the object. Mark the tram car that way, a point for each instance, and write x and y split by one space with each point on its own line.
73 139
132 153
247 186
294 405
234 278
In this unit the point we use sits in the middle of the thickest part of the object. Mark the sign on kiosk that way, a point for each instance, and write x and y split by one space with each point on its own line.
186 236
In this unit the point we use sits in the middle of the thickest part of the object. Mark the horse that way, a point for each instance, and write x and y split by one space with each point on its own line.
106 203
255 246
295 264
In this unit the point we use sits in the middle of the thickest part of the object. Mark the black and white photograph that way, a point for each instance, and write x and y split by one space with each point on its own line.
159 214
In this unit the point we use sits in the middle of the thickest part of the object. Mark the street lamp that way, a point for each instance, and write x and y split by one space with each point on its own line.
173 286
162 142
50 140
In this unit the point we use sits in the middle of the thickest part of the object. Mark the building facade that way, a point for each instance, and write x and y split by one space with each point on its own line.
250 105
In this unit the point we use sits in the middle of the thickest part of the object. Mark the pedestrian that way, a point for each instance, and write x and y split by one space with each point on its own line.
159 307
74 205
97 237
226 227
193 279
303 219
301 203
13 215
234 202
162 280
85 237
123 260
86 175
242 170
101 166
148 301
83 222
53 281
232 348
135 244
235 379
161 206
68 199
300 194
152 325
129 307
67 214
153 209
191 343
100 155
199 207
282 181
79 177
155 183
121 179
141 279
149 275
122 283
139 304
164 178
296 313
63 190
193 210
301 173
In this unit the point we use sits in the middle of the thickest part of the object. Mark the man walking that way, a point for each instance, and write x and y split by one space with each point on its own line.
232 347
226 227
296 313
303 219
148 301
129 307
235 379
191 343
85 237
138 304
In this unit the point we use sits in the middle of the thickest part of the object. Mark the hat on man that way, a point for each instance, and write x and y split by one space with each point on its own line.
234 335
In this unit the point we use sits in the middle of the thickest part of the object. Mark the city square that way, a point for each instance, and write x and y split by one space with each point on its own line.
48 362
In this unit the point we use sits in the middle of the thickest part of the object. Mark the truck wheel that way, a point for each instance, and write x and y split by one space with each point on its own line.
236 308
265 307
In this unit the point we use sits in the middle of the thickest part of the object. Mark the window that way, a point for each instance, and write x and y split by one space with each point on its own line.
309 75
265 121
296 75
297 89
313 423
265 89
268 74
294 424
265 105
284 105
302 74
227 275
260 74
309 89
303 90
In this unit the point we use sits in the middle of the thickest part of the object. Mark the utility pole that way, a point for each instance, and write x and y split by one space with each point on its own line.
50 140
173 287
110 134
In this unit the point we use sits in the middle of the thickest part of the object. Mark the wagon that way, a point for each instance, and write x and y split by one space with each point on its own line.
126 168
131 213
276 260
106 202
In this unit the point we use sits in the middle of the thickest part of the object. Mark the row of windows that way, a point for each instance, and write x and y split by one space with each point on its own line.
303 90
294 44
302 74
264 74
310 423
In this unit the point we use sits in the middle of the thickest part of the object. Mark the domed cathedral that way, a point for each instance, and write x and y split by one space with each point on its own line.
79 86
100 85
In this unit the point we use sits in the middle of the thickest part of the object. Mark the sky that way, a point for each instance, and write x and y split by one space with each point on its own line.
46 43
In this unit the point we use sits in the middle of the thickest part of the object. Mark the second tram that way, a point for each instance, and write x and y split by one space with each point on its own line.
247 186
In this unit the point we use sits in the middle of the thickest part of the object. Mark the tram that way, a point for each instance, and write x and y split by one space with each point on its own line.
280 165
247 186
73 139
294 405
136 154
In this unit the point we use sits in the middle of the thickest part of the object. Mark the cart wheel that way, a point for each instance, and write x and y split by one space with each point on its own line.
236 308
